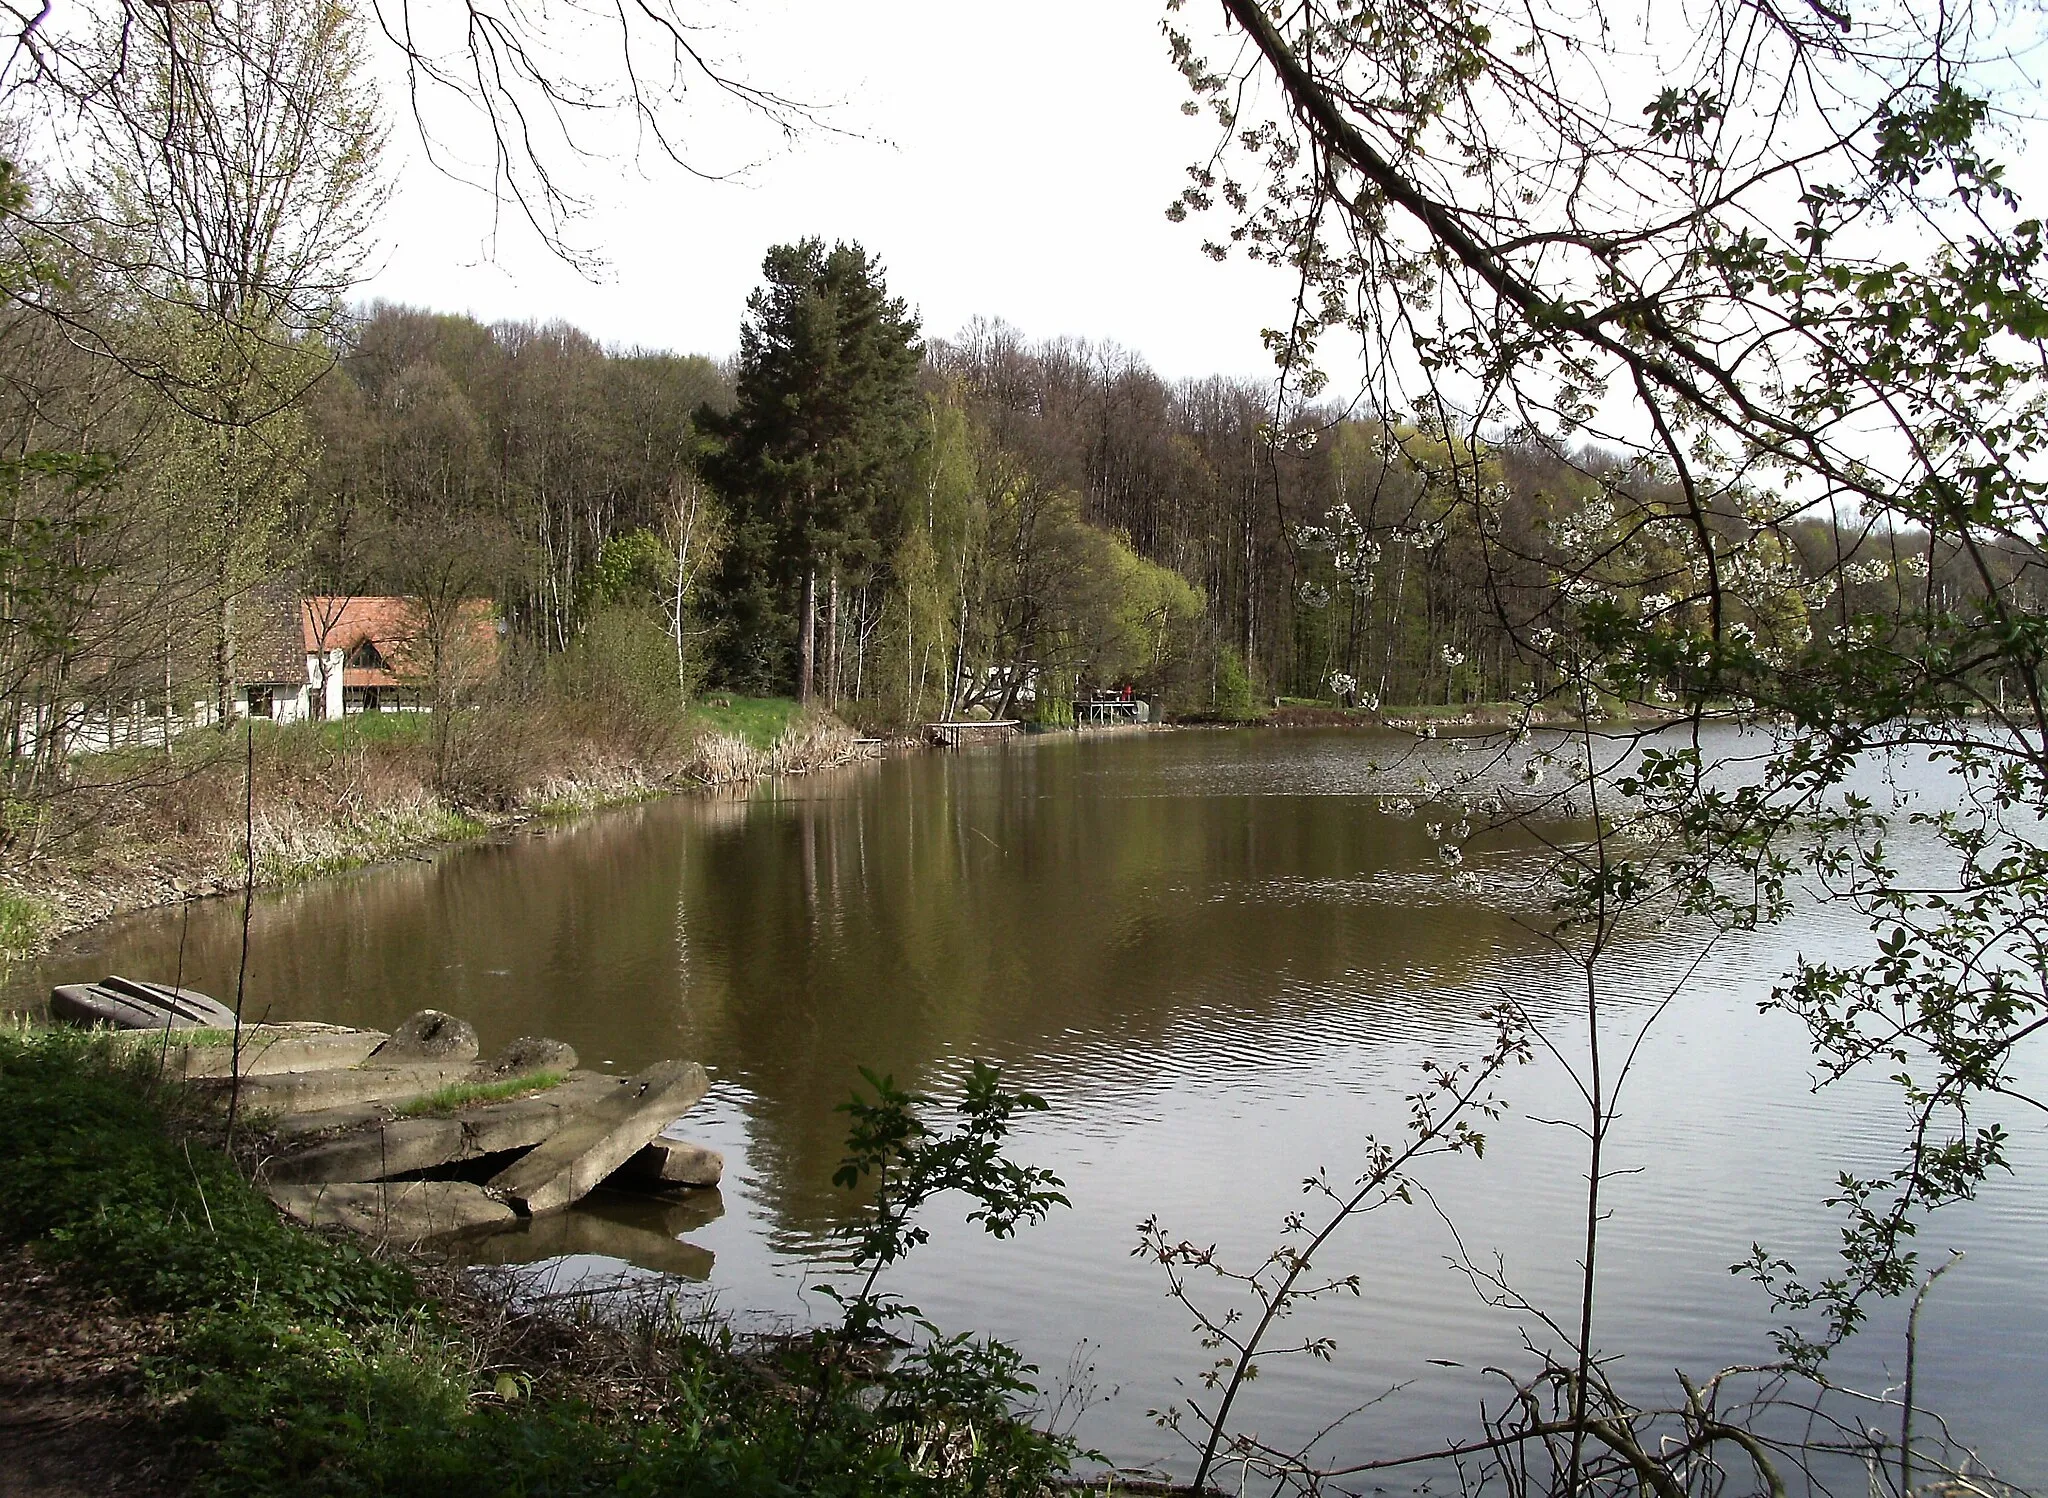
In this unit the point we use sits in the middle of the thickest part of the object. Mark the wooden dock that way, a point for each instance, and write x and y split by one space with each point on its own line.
962 735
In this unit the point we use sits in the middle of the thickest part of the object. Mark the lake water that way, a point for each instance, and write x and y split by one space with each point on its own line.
1222 964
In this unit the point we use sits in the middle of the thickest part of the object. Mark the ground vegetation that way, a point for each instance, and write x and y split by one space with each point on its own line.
250 1357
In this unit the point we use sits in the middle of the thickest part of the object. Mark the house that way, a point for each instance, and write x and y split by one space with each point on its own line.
331 656
367 654
295 658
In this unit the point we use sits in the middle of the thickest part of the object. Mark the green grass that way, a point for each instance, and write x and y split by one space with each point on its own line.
758 720
459 1095
364 728
300 1364
24 923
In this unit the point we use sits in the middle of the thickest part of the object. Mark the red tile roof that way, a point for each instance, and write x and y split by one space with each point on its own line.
394 626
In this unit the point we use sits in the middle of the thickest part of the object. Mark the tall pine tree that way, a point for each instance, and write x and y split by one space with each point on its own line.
811 460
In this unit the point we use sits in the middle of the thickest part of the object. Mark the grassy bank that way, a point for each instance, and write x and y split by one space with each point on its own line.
276 1361
148 826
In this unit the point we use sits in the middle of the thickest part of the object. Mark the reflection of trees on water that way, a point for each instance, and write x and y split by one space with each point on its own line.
1000 905
1101 916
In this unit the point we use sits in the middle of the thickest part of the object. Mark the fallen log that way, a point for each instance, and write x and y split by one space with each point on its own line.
577 1158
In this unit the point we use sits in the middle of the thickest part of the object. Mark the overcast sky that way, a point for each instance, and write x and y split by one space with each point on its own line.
1011 161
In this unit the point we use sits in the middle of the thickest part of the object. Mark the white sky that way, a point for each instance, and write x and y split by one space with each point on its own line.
1017 163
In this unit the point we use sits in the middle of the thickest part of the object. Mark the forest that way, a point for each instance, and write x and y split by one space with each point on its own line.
884 520
1038 518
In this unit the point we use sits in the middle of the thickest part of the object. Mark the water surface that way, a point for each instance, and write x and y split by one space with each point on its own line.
1223 965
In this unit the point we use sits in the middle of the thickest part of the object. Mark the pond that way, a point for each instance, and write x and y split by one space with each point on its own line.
1223 965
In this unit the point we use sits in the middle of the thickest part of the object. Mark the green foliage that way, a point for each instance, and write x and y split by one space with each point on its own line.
761 721
1235 698
944 1386
624 664
99 1181
24 923
812 460
904 1163
633 570
300 1365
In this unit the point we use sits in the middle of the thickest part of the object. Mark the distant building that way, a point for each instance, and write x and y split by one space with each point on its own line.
296 658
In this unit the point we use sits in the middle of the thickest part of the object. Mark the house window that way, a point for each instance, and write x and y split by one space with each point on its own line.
261 702
365 656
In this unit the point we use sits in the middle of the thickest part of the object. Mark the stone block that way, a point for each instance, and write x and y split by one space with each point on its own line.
385 1147
430 1035
601 1139
671 1162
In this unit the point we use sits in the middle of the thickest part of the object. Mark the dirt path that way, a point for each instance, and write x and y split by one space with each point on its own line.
72 1421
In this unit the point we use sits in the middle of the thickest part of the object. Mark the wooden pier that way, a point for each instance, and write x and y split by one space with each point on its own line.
961 735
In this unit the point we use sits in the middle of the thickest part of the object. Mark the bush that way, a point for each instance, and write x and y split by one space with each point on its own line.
1236 698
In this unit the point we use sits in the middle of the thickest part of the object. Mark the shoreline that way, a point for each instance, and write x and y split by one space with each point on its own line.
165 865
51 901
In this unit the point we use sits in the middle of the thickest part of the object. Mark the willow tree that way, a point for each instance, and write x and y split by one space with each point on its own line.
227 196
1771 257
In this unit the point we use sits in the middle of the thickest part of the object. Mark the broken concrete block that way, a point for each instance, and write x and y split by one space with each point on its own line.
298 1091
671 1162
398 1146
430 1035
266 1050
532 1053
399 1212
601 1139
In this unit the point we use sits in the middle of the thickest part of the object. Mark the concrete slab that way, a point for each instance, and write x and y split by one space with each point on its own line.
671 1162
396 1146
605 1136
266 1050
398 1212
298 1091
317 1120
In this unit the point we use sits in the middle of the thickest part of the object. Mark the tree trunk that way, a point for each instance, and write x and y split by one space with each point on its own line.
224 658
832 639
807 638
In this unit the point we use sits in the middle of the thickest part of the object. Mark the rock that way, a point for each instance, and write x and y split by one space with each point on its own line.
399 1146
605 1136
397 1212
430 1035
671 1162
532 1053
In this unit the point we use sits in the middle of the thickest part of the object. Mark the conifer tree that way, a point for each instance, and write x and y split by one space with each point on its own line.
812 458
